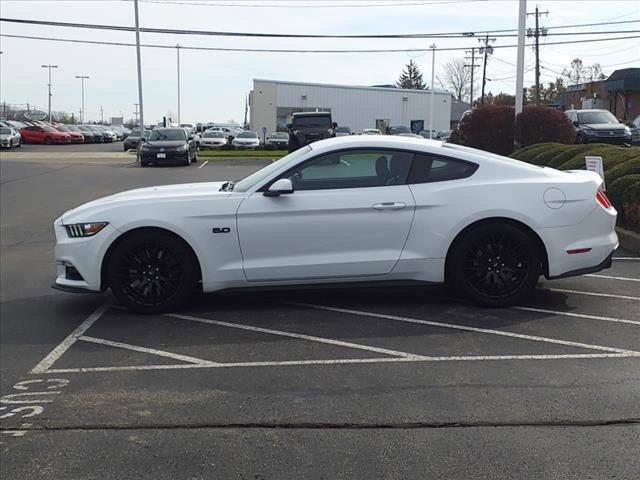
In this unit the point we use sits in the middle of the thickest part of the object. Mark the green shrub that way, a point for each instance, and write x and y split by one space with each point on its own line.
528 153
631 206
488 128
569 153
578 161
523 150
616 188
628 167
548 154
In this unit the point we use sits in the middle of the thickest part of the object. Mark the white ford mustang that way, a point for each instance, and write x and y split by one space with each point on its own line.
348 209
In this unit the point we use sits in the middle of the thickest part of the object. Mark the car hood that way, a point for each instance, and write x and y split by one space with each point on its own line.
165 143
603 126
150 194
4 136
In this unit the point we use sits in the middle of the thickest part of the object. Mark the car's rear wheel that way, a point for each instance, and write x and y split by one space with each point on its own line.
495 264
152 272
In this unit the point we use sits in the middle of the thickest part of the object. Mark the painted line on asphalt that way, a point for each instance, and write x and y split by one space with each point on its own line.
206 161
627 258
593 294
72 338
608 277
578 315
298 336
152 351
345 361
522 336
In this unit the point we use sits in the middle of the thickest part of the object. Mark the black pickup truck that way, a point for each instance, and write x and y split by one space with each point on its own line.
307 127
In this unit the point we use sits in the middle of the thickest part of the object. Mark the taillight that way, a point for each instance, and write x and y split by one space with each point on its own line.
602 199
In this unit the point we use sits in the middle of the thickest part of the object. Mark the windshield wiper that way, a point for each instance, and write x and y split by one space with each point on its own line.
227 186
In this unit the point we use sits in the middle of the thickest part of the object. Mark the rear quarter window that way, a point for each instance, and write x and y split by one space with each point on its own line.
430 168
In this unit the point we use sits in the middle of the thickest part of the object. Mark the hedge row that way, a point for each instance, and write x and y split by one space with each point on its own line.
621 171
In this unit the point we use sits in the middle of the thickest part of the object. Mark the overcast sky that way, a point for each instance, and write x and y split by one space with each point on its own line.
214 84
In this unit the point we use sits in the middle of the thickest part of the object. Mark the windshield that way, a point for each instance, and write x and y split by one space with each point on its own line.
47 128
247 135
343 130
398 130
5 131
213 135
62 128
312 121
279 135
261 175
596 117
174 134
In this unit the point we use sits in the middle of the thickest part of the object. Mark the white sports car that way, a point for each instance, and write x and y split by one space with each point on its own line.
349 209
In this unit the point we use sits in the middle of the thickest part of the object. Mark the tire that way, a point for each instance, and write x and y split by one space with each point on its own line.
48 141
494 264
581 139
144 164
293 146
187 162
171 266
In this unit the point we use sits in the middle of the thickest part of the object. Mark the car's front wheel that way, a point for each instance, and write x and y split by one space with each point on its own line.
495 264
152 271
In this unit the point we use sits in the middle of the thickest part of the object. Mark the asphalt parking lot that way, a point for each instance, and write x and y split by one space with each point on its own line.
403 382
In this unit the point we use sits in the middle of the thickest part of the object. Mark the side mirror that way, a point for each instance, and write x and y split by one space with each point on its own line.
279 187
575 122
191 137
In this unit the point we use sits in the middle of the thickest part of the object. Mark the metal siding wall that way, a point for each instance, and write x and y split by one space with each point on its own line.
359 108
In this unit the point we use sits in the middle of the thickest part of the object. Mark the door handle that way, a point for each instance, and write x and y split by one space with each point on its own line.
388 206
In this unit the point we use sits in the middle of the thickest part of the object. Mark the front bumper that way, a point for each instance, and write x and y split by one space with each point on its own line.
169 156
84 255
614 140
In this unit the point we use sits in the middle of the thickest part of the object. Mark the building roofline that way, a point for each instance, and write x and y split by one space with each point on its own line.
358 87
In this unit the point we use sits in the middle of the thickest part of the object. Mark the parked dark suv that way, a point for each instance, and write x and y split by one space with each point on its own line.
307 127
598 126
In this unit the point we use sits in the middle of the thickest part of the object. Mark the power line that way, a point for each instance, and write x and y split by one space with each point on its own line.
293 5
270 50
276 35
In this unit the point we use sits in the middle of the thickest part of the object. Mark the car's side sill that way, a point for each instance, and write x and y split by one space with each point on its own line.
68 289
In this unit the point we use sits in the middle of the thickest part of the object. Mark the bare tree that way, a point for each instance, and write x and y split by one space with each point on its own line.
457 78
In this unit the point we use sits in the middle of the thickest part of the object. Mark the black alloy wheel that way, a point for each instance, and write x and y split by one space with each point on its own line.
152 272
495 264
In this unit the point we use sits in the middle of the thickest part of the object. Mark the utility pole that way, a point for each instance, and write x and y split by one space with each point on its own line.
178 60
82 79
522 18
101 114
536 34
472 66
49 85
433 76
486 49
137 19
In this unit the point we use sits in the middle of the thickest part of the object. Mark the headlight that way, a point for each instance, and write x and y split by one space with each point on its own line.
627 130
78 230
181 148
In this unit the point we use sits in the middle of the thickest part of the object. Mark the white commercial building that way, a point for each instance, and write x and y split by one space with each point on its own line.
357 107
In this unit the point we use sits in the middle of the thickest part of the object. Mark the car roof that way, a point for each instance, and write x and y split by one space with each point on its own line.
310 114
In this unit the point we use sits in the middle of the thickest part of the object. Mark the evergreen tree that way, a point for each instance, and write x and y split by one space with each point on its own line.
411 78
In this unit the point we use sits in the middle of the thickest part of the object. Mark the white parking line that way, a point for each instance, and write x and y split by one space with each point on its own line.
160 353
608 277
345 361
206 161
637 259
299 336
72 338
578 315
534 338
593 294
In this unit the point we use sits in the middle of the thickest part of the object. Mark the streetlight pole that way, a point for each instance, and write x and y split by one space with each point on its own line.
135 7
433 76
82 78
178 59
49 85
522 18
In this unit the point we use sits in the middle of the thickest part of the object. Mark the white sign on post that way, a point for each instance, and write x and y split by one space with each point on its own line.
594 164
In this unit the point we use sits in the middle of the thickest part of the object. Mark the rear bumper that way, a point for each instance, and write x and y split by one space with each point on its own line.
606 263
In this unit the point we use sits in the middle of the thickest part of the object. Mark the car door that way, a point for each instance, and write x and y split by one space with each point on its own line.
32 134
349 216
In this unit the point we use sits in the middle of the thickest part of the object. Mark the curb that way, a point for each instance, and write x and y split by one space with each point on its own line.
628 240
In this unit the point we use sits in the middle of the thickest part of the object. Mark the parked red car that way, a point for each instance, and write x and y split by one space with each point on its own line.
43 134
76 137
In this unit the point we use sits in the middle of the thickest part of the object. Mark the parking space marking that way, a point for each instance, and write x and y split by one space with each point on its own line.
608 277
72 338
594 294
534 338
298 336
578 315
637 259
152 351
207 161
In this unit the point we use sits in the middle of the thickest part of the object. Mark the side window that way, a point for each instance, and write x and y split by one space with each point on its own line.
353 169
33 129
428 168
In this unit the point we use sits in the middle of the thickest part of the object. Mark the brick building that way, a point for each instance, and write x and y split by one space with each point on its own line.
620 94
